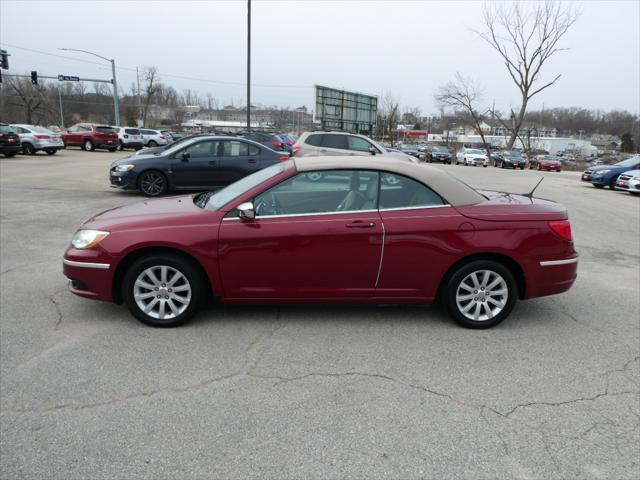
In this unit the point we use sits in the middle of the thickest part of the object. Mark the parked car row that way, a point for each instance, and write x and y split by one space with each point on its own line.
623 175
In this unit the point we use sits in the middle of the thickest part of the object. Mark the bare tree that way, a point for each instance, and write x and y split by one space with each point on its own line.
526 37
150 76
463 94
30 98
388 116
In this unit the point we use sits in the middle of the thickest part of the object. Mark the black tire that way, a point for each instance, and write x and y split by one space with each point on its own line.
10 154
137 148
522 168
113 149
152 143
152 183
28 149
612 183
453 282
186 268
597 186
120 145
50 151
88 145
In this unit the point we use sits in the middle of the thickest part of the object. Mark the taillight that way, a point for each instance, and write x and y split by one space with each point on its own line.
43 137
163 137
562 228
1 135
284 159
126 136
277 144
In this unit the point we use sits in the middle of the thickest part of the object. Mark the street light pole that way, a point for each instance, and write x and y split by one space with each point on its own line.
116 101
248 65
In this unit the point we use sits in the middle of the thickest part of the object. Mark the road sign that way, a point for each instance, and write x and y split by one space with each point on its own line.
347 111
68 78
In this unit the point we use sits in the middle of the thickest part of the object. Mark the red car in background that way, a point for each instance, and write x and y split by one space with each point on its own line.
370 230
545 162
89 136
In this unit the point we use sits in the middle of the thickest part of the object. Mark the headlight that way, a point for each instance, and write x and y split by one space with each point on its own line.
88 238
124 168
602 172
636 179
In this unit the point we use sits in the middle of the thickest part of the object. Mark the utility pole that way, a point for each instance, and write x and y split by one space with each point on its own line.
61 113
139 102
116 102
248 65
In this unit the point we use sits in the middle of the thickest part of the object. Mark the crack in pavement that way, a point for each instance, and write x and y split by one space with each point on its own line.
25 265
57 307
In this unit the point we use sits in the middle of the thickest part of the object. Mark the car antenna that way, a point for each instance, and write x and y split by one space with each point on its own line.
530 194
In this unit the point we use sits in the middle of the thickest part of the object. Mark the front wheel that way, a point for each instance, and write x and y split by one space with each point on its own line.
50 151
163 290
88 145
480 294
152 183
112 149
10 154
28 149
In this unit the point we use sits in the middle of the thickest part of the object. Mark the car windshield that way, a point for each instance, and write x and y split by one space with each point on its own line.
440 150
629 162
475 151
224 196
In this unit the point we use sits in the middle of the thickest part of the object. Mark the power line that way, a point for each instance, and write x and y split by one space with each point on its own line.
180 77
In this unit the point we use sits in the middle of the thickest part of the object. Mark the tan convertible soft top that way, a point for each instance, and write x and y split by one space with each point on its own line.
448 187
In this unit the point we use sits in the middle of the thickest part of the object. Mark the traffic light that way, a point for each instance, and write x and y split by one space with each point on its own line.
34 77
4 57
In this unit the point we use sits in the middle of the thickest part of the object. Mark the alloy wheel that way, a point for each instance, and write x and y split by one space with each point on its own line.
482 295
152 184
162 292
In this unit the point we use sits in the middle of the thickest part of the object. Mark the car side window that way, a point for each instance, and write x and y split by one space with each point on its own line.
253 150
330 191
23 130
331 140
314 140
82 128
234 148
359 144
202 149
397 191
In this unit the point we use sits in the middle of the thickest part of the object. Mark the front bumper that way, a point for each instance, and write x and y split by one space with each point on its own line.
628 185
90 273
550 168
124 180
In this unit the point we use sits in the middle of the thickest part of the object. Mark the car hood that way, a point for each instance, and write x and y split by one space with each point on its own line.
134 159
161 212
632 173
475 156
606 167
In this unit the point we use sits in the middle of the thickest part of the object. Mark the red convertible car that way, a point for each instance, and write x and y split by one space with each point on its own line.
327 229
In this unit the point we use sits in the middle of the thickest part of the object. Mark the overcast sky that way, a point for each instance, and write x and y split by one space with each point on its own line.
408 48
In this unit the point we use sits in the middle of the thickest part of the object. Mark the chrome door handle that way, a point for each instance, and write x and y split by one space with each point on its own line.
359 224
252 160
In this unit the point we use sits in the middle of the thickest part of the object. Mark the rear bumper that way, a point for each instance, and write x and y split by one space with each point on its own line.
47 145
552 276
105 144
10 148
136 145
90 273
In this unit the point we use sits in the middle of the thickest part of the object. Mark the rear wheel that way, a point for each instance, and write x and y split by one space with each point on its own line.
152 143
480 294
28 149
50 151
88 145
152 183
10 154
112 149
163 290
597 186
121 145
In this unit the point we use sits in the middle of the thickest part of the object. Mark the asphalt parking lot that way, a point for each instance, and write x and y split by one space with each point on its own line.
313 392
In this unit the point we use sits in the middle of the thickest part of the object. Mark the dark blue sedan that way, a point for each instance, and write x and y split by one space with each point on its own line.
201 163
606 175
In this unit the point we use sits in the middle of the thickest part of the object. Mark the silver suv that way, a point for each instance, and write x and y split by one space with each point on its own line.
312 144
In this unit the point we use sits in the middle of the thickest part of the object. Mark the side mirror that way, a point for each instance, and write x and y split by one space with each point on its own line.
246 211
185 156
372 150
